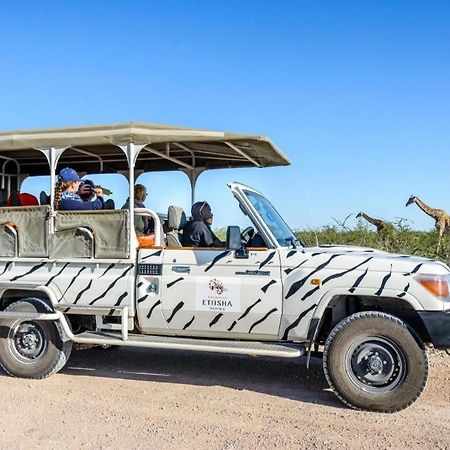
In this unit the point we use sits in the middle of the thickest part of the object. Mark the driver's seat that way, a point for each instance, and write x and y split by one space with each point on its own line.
176 219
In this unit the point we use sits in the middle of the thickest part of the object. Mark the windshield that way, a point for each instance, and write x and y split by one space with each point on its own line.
282 233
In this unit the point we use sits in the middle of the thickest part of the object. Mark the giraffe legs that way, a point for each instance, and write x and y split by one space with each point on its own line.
441 233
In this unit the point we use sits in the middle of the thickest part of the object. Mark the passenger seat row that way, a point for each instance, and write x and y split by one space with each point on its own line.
24 199
17 199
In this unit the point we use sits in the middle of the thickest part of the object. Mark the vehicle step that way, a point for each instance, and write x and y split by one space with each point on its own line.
202 345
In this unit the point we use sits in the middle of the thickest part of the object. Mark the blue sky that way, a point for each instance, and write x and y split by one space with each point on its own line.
356 93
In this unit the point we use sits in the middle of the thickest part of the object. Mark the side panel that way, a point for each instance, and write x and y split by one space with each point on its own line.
209 292
148 292
78 286
312 276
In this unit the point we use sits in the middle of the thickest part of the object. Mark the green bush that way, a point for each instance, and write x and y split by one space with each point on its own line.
395 239
398 238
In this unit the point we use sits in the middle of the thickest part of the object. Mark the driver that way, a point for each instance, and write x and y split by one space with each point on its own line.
197 231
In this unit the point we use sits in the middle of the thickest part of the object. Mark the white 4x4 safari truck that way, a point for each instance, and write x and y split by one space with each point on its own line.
80 277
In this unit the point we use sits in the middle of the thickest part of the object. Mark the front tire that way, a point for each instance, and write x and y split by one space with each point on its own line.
374 362
31 349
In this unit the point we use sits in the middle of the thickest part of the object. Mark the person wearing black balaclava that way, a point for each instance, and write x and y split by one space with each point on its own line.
197 231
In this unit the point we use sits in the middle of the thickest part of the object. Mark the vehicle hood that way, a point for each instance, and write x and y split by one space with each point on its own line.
381 260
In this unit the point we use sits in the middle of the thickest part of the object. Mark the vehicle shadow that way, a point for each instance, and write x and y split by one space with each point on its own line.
288 378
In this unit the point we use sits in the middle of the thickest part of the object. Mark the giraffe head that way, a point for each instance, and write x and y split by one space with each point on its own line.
411 200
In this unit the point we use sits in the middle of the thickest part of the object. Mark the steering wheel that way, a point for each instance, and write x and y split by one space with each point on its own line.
247 234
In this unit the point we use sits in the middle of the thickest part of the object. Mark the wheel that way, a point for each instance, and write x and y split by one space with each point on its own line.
32 349
373 361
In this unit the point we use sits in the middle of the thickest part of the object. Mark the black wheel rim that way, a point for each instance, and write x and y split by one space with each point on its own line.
376 364
27 342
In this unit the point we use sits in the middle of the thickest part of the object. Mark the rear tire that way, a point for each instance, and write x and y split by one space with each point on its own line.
32 349
374 362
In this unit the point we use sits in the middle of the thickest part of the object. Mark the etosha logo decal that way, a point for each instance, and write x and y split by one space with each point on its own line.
217 286
218 294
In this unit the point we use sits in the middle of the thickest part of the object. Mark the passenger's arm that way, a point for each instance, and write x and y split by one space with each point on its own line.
74 205
217 242
210 239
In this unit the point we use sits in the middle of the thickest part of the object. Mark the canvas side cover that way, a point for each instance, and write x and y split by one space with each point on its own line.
110 229
32 225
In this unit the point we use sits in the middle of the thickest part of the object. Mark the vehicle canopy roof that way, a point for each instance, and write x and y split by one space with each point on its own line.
91 149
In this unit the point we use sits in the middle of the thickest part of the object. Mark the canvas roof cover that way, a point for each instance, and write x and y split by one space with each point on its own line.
166 148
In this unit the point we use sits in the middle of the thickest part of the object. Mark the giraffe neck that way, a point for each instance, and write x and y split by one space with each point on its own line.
425 208
371 220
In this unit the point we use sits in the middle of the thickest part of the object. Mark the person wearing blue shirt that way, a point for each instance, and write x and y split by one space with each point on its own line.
66 193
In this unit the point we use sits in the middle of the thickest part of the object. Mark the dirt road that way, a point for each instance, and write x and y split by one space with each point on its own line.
158 399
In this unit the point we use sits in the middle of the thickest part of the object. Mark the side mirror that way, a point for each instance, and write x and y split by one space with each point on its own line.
233 238
234 243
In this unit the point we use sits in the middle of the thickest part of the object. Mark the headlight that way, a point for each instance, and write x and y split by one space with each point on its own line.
438 285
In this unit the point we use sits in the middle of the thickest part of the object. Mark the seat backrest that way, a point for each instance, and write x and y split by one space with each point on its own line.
3 197
109 204
44 199
22 199
176 220
13 199
110 229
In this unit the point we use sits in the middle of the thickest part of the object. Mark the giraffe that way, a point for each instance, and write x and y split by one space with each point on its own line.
380 224
439 215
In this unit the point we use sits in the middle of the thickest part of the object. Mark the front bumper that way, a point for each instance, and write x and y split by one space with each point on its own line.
437 324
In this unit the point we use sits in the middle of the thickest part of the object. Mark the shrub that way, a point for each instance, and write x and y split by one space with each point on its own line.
395 239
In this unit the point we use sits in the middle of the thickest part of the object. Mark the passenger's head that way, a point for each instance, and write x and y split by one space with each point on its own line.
68 175
86 190
202 211
140 192
68 180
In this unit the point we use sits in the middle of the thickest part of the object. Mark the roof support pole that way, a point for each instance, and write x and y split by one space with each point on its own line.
131 158
52 154
193 183
193 177
242 153
131 151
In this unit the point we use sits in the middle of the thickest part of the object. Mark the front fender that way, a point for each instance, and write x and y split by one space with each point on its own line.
366 292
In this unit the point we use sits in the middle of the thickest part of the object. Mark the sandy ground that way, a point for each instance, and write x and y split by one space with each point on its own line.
158 399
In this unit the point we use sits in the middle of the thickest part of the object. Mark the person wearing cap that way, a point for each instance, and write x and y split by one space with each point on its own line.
197 231
66 193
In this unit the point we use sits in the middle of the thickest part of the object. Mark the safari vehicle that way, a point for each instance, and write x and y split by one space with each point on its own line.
80 277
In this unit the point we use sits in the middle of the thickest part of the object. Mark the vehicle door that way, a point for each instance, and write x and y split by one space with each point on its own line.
219 293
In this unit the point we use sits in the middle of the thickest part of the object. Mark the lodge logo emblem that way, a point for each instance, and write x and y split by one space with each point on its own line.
221 294
216 286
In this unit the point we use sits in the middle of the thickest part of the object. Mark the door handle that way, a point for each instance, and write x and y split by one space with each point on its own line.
181 269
